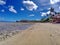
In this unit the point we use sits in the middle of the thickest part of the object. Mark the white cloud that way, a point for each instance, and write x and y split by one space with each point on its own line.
2 10
56 7
54 1
48 8
22 9
48 12
2 2
59 7
30 5
12 9
32 15
43 14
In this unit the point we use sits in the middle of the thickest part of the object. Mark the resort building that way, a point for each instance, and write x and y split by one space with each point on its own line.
55 16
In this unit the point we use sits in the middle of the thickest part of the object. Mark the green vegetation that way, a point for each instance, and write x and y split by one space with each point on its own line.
46 19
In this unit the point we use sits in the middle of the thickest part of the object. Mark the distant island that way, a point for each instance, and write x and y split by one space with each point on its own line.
28 21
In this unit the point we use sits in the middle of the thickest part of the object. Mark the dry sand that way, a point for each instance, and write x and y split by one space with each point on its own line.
39 34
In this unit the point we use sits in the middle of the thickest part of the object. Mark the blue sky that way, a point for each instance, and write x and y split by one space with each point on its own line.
12 10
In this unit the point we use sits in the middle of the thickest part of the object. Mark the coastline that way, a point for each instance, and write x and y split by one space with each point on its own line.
8 30
38 34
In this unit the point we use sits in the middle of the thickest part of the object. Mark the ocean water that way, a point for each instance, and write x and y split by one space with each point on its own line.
14 26
8 29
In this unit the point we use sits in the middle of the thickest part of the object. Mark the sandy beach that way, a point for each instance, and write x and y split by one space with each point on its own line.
38 34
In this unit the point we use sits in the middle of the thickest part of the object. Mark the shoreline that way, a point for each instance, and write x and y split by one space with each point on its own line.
37 34
5 34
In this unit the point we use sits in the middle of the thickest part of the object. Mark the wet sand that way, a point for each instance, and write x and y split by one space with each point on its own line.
38 34
9 29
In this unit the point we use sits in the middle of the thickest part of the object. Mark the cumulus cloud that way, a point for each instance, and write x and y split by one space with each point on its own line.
30 5
46 3
49 3
2 2
43 14
22 9
56 7
54 1
48 12
12 9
